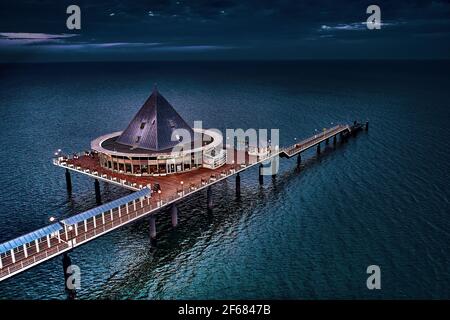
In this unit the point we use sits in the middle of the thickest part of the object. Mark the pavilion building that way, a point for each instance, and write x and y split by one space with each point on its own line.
151 146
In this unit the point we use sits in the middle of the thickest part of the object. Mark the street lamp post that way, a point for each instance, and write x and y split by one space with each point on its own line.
159 193
70 240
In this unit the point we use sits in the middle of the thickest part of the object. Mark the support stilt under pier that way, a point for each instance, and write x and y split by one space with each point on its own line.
273 167
318 148
261 178
327 141
98 196
68 181
67 262
238 185
334 140
367 126
174 215
299 160
152 224
209 201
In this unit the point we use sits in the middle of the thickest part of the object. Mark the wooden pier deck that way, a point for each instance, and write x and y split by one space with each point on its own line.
40 250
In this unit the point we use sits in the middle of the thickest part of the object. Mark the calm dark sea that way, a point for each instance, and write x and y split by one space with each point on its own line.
382 198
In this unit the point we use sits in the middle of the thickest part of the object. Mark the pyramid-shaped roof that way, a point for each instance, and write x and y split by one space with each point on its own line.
152 127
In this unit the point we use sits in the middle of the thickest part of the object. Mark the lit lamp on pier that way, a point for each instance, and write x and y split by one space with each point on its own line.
58 155
182 190
159 194
71 240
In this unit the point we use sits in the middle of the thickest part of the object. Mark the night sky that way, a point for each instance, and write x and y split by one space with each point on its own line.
33 31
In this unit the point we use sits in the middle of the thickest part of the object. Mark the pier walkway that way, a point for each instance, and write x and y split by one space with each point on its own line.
24 252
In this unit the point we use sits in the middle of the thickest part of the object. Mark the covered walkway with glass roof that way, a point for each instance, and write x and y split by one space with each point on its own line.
37 246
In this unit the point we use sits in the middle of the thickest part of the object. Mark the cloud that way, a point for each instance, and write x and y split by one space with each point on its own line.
62 42
44 43
102 45
352 26
355 26
154 47
191 48
12 39
34 36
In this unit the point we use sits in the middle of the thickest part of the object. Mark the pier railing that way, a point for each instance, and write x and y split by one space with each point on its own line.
314 140
103 222
64 162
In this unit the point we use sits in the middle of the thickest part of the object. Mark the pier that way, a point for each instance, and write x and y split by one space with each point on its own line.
36 247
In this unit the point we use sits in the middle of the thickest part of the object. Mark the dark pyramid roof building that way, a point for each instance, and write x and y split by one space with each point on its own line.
145 147
152 127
